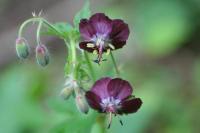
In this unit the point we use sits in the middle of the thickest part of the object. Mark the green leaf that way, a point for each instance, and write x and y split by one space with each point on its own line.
83 13
65 30
76 124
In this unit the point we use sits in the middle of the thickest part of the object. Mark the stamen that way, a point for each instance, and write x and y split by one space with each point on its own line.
95 52
120 121
99 58
110 120
90 45
111 46
108 52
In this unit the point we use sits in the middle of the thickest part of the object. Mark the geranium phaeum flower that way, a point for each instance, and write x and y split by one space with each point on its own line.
102 34
113 96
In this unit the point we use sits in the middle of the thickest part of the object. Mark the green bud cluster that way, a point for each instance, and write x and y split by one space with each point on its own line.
22 47
71 87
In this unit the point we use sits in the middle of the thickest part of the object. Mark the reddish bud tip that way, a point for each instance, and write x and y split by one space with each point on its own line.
22 48
42 55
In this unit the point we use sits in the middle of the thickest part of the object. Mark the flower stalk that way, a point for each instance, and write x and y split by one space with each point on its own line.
38 32
33 20
114 64
90 66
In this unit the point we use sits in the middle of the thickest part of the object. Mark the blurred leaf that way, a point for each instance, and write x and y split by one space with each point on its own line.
196 74
83 13
75 124
66 31
18 111
161 26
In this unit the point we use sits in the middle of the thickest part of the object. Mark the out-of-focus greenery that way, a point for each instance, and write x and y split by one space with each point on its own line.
159 60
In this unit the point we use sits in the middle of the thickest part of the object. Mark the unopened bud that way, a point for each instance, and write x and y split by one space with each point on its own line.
66 92
22 48
42 55
81 102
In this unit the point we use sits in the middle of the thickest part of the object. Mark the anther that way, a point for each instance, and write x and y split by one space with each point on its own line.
90 45
111 46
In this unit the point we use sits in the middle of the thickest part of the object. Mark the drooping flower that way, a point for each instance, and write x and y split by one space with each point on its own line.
42 55
102 34
22 48
113 96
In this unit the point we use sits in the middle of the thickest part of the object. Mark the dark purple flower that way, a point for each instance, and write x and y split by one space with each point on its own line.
113 96
102 34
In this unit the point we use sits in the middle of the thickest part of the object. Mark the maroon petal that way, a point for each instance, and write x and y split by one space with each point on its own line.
120 30
93 100
101 23
83 45
86 29
118 44
130 106
119 89
100 87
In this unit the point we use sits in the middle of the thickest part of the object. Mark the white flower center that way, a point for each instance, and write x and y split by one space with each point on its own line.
110 104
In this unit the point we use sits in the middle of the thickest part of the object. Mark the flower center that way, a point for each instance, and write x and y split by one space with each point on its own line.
100 41
100 44
110 104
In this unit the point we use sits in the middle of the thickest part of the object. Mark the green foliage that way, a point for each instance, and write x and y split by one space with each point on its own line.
20 110
196 74
162 26
24 107
71 120
83 13
66 31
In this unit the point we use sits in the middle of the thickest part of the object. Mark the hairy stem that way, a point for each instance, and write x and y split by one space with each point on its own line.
115 64
90 66
50 25
38 33
35 19
24 24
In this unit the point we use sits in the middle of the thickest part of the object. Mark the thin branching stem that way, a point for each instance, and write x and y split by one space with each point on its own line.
115 64
35 19
90 66
25 23
38 33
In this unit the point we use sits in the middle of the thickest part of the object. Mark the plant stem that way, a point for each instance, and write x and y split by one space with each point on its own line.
90 66
38 33
73 50
24 24
34 19
50 25
115 65
101 120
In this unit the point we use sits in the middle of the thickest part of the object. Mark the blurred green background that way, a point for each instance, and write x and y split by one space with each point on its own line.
161 60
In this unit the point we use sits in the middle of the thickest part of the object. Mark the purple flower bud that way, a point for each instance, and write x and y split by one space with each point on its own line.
81 102
22 48
42 55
